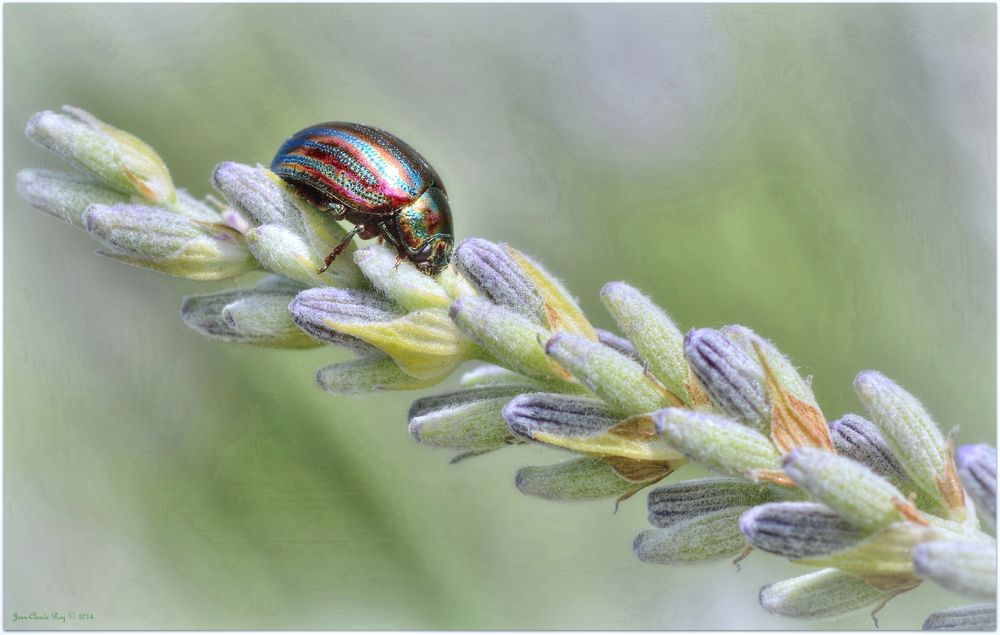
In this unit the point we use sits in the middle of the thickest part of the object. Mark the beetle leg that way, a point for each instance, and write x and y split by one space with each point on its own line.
399 260
341 247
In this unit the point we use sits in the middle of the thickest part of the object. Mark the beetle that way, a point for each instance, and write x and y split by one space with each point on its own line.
375 181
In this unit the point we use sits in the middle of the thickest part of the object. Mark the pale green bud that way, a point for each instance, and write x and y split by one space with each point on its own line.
63 195
859 495
114 157
509 337
588 478
824 593
246 316
466 420
976 617
680 501
704 538
717 442
367 374
969 568
401 282
157 239
282 251
656 338
912 435
618 380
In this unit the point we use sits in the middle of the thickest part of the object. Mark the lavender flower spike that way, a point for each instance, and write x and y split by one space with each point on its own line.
977 467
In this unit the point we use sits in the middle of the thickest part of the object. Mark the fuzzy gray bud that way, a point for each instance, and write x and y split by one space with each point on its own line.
680 501
499 277
557 414
977 467
975 617
859 439
798 530
733 380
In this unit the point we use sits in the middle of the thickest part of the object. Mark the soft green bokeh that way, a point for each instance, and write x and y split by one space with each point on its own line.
822 174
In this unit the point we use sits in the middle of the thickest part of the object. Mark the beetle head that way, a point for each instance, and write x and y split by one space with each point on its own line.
423 231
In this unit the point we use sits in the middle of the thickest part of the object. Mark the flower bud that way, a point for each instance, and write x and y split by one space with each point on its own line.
859 439
258 193
316 310
851 489
114 157
655 336
716 442
424 343
588 478
798 530
585 425
466 420
733 380
796 420
157 239
969 568
401 282
824 593
64 195
367 374
712 536
976 617
511 338
913 437
680 501
977 467
562 314
282 251
558 415
292 238
499 277
784 371
618 343
616 379
246 316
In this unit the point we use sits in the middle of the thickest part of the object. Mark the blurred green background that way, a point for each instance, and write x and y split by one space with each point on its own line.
822 174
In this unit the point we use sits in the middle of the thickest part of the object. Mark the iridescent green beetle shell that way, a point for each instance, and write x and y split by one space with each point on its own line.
375 181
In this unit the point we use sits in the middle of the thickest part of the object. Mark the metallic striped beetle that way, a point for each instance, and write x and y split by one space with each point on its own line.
375 181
